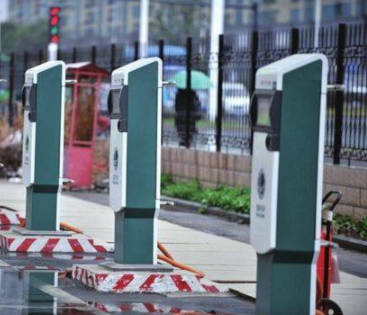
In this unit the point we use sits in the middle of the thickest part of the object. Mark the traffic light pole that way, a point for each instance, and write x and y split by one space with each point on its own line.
52 51
54 33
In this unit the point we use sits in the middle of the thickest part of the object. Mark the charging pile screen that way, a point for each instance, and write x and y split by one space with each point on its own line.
263 111
26 97
116 102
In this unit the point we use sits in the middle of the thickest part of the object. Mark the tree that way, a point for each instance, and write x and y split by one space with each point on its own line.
17 37
176 22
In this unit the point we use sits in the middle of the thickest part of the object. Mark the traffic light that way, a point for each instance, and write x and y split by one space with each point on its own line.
54 29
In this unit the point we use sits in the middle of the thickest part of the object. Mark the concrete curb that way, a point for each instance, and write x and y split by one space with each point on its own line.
350 243
193 207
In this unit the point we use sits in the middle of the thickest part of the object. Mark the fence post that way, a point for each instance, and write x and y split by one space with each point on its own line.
339 95
113 57
254 50
161 56
40 56
75 55
94 54
219 117
294 41
58 55
25 61
11 88
188 90
136 50
161 49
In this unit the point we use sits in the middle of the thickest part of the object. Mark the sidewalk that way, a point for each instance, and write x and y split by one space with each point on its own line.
221 259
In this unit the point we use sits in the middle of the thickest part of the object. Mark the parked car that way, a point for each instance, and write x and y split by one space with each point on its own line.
236 99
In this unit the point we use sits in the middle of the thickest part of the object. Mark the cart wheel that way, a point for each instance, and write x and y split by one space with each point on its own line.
329 307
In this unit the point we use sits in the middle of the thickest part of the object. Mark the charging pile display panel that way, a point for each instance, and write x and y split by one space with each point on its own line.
265 107
29 130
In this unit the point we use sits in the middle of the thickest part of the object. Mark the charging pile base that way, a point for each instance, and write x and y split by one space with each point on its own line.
149 279
24 241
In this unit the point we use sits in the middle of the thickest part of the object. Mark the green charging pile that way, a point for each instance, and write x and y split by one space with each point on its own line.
43 102
287 115
134 105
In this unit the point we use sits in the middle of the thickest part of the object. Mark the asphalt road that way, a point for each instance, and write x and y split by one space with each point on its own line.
349 261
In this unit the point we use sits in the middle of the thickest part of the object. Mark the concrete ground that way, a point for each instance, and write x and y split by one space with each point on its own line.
221 258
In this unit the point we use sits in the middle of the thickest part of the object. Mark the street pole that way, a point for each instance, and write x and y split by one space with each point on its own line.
255 12
1 21
318 10
216 29
144 27
52 51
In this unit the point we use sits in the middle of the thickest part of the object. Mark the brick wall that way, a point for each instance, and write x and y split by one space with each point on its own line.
213 169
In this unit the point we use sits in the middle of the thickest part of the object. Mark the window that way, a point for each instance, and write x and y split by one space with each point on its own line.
239 17
328 12
267 17
295 15
136 11
343 10
310 13
361 8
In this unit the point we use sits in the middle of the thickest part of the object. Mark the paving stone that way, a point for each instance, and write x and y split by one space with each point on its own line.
344 210
242 179
345 176
243 163
359 213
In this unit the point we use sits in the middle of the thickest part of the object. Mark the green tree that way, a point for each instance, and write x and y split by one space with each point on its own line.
176 22
23 37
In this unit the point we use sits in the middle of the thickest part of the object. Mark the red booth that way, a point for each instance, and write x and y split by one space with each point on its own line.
81 114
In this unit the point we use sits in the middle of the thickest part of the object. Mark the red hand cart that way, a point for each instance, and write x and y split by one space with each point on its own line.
326 267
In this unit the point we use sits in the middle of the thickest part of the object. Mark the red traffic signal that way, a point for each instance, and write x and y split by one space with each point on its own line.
54 20
54 11
55 39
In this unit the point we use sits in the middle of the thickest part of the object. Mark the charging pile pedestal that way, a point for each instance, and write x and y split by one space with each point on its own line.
287 114
135 108
43 101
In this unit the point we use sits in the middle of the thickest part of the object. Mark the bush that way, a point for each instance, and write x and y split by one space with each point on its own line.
236 199
186 190
343 224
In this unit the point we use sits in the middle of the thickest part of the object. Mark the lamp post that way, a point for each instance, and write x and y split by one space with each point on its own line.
144 27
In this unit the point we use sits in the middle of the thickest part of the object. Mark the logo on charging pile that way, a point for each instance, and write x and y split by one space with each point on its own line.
26 144
261 184
115 159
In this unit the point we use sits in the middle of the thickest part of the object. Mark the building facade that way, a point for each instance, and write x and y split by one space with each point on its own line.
93 21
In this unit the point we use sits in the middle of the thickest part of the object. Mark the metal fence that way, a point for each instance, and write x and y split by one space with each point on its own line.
214 114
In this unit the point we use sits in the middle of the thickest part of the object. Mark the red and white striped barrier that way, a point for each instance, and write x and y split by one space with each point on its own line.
9 217
139 308
103 280
63 256
77 243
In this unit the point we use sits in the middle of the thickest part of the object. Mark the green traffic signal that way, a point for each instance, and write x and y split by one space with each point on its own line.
54 30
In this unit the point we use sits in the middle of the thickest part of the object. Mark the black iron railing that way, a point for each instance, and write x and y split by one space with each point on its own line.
214 115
